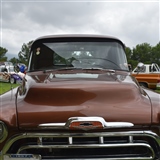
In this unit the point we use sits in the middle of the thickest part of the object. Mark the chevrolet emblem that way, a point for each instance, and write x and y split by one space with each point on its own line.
85 123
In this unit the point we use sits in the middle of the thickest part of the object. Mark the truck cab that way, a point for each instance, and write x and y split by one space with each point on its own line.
148 68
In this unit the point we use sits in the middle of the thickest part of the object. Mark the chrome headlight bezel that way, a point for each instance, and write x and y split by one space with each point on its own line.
3 131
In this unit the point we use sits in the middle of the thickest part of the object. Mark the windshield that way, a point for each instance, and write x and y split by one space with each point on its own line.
54 55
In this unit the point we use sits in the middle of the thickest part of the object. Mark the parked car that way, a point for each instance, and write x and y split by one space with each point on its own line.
148 75
6 63
8 74
78 100
4 77
15 78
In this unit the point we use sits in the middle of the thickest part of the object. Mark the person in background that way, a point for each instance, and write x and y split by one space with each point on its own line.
22 68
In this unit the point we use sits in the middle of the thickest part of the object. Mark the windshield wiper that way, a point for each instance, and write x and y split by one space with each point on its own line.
88 68
62 69
101 69
81 68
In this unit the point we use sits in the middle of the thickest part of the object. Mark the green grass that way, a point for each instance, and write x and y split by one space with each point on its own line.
157 91
5 87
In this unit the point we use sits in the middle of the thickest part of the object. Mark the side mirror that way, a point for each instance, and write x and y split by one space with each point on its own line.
140 67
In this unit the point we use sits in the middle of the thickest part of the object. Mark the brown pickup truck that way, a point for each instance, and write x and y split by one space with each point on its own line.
79 101
148 75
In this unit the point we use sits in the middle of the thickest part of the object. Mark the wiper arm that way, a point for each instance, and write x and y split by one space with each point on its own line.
80 68
101 69
91 68
68 68
62 69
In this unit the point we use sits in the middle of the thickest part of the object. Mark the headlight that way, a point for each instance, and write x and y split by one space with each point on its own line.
3 131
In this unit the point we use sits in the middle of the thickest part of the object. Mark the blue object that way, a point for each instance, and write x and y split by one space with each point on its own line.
22 68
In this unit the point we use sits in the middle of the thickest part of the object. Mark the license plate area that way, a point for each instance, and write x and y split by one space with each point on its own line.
22 157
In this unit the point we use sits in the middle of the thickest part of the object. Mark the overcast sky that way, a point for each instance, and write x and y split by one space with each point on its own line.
132 21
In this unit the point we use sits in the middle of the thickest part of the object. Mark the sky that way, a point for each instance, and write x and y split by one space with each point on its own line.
133 21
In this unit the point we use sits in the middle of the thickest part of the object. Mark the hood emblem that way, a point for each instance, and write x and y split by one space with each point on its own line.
86 123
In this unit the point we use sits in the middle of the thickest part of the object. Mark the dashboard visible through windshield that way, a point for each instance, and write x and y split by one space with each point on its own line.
55 55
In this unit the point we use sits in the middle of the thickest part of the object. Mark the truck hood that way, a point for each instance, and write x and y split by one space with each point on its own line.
55 101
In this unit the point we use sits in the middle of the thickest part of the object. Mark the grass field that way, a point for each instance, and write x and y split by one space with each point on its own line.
5 87
158 91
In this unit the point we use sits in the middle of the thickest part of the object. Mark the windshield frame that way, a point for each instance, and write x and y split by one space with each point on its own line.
78 40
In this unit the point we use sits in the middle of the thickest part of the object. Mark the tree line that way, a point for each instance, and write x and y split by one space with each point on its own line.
144 53
23 54
140 53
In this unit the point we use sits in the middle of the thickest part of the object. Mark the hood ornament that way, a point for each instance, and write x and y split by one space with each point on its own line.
85 123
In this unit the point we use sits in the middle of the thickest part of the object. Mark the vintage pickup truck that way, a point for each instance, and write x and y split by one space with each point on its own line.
148 75
78 101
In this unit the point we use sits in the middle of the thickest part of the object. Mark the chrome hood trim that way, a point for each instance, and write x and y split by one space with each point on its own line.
86 123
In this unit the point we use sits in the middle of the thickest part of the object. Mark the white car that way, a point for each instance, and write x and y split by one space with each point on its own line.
7 74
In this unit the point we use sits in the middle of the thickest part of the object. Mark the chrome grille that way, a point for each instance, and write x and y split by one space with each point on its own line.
100 145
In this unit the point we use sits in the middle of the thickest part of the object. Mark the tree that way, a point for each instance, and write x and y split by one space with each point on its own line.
155 58
14 60
142 53
3 52
128 53
24 53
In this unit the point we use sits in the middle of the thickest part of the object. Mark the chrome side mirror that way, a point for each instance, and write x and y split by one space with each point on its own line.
140 67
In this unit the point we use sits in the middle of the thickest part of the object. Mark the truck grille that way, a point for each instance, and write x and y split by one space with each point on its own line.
103 145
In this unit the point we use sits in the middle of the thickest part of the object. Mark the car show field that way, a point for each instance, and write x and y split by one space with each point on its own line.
5 87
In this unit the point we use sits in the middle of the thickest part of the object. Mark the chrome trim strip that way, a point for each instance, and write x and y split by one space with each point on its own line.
6 157
88 146
70 140
101 140
130 139
85 119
